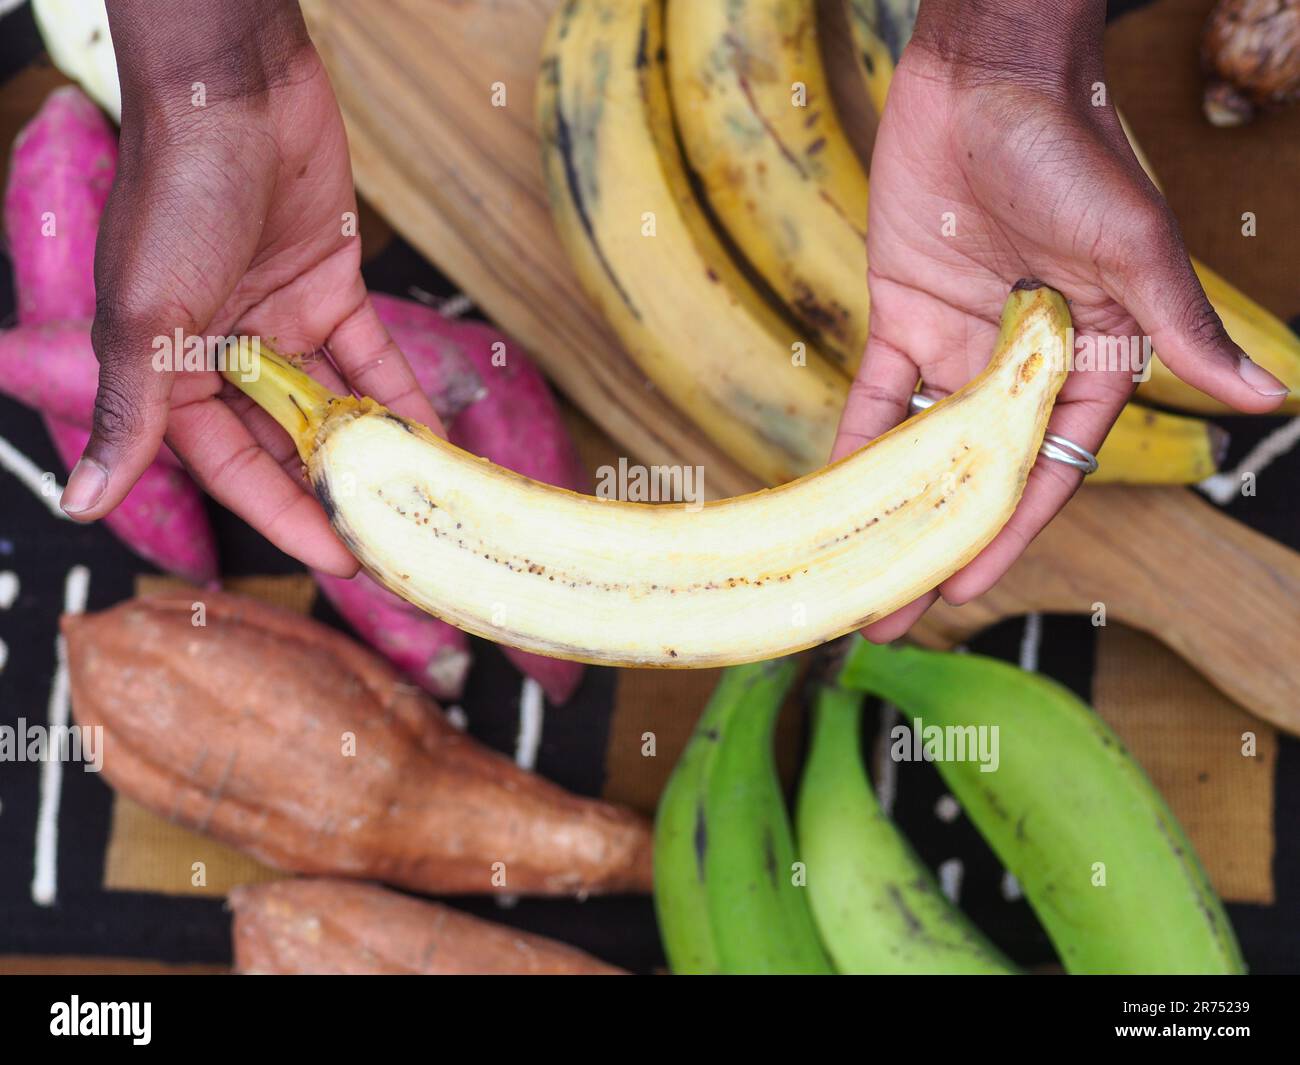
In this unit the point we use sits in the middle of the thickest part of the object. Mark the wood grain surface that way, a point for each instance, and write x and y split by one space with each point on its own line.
1165 561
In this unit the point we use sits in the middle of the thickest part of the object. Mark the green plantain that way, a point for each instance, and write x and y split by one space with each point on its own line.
682 831
1102 860
876 905
758 906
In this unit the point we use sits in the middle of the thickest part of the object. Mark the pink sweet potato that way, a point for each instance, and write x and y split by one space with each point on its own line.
515 423
513 419
52 367
62 168
161 519
558 677
319 926
430 652
442 368
63 165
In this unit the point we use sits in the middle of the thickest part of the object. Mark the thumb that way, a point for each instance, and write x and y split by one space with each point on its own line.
1161 290
131 407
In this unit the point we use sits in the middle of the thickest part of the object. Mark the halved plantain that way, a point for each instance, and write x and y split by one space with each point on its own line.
635 584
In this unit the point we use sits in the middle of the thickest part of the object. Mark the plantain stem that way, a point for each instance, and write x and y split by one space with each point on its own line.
297 402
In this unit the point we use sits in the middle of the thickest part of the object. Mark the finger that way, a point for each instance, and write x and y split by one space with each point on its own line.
374 366
319 366
877 401
878 398
236 470
892 626
265 430
131 405
1048 488
1161 290
268 434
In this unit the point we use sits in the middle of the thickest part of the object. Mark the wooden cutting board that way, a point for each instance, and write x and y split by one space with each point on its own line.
1223 596
461 179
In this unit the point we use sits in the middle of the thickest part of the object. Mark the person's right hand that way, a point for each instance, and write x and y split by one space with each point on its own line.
233 217
994 163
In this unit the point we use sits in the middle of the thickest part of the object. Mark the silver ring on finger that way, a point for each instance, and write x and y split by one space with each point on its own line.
1055 447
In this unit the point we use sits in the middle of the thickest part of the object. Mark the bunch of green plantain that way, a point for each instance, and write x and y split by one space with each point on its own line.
1101 859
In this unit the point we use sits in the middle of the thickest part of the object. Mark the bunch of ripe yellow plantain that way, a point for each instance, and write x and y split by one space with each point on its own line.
1103 862
715 211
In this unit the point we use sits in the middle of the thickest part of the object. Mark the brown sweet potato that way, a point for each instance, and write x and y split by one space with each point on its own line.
319 927
288 740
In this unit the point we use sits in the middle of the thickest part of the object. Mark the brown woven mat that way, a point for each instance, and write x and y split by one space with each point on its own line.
1190 739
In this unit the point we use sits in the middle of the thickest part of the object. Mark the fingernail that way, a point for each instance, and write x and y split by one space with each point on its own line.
1259 378
85 485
